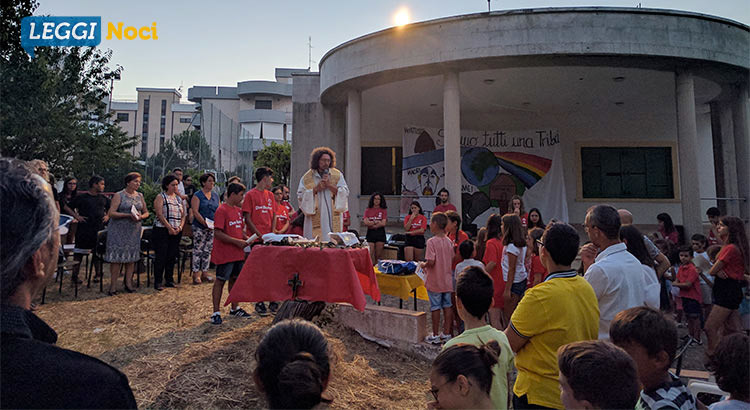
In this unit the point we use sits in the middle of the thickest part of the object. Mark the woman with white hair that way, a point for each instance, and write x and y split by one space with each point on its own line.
35 372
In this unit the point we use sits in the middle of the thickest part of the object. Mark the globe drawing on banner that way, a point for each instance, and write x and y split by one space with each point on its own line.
479 166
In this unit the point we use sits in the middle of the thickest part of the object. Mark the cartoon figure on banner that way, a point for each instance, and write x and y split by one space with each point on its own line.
428 180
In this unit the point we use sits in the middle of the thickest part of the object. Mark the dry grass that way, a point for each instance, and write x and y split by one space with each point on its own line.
175 358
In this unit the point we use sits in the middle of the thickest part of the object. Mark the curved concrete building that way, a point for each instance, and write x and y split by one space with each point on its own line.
649 107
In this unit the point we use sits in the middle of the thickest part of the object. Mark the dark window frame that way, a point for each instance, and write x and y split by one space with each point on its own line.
382 159
644 172
263 104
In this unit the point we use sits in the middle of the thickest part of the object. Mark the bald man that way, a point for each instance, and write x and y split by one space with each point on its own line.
661 261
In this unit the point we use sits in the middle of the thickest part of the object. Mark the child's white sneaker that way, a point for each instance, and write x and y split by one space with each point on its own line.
432 339
444 337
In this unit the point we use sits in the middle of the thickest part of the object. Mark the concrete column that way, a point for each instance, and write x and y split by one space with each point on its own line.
740 115
687 141
354 154
452 137
728 158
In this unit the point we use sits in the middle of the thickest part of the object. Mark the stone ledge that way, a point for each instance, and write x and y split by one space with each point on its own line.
384 322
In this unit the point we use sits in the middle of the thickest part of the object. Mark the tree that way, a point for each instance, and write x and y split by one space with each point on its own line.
188 150
278 157
53 106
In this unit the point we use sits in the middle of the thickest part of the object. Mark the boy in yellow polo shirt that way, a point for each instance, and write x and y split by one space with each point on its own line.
558 311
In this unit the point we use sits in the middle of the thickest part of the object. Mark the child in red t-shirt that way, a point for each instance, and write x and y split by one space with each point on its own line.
415 224
537 271
690 292
493 254
227 252
281 218
259 208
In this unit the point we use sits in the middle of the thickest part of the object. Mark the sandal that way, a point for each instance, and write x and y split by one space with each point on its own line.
208 279
197 281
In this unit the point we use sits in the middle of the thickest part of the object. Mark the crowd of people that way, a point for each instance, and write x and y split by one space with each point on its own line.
603 336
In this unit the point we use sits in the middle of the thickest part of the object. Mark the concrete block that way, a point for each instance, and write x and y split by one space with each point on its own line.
385 322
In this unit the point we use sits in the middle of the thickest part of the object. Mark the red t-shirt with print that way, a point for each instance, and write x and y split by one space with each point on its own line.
260 205
415 223
282 216
376 214
229 220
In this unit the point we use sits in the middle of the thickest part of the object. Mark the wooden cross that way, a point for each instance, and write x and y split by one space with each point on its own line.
295 283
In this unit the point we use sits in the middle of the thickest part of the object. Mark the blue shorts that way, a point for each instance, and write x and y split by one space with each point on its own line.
439 300
519 288
228 271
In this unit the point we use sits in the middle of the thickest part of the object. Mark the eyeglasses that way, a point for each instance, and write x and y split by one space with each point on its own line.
436 390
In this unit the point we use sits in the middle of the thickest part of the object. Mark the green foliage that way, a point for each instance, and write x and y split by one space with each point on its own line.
188 150
53 106
150 190
278 157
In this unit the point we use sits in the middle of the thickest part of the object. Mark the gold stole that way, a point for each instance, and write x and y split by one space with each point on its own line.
309 181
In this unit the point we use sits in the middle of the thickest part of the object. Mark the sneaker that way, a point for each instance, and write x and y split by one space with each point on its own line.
444 337
273 307
239 313
216 319
260 309
432 339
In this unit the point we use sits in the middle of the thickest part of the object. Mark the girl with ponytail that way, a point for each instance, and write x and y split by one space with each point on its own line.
293 365
461 376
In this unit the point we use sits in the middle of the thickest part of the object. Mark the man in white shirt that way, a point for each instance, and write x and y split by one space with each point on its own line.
614 273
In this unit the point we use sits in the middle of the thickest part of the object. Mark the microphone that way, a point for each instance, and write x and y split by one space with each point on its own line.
326 171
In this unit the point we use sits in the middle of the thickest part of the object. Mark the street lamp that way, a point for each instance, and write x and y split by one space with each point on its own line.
112 76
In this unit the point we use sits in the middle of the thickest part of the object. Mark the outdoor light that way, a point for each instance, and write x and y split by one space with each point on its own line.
402 17
618 79
489 81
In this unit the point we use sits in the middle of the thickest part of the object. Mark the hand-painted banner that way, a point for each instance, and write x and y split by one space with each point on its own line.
495 165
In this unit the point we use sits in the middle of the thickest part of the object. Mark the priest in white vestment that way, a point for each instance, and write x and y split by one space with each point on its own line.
323 195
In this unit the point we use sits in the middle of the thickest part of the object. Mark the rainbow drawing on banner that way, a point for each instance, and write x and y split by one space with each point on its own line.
529 169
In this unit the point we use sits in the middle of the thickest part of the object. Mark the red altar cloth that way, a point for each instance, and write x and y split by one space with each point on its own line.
329 275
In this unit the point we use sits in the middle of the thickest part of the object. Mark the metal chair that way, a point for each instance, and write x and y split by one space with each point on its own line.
185 253
98 257
147 256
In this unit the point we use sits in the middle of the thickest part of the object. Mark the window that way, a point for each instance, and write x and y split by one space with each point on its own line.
163 107
263 104
123 117
185 120
146 107
162 126
387 162
627 172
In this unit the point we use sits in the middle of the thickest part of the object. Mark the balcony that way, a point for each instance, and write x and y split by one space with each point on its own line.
264 87
274 116
197 93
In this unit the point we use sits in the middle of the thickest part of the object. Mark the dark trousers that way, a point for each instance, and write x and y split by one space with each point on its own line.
523 403
166 247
